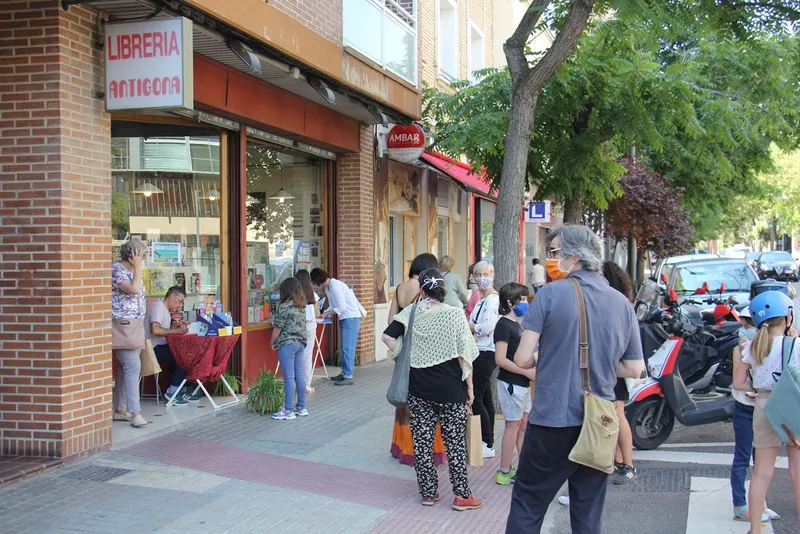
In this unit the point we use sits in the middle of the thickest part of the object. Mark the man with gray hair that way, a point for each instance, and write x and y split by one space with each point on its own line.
555 421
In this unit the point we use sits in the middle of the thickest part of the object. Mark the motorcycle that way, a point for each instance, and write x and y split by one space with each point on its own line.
664 395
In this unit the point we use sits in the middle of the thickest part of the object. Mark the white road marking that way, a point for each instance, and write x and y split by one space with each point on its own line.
710 509
693 445
683 457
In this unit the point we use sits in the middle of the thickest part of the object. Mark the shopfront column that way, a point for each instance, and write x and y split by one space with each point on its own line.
55 236
356 233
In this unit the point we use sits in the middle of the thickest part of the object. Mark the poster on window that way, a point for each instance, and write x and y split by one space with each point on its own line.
405 183
166 253
382 241
302 254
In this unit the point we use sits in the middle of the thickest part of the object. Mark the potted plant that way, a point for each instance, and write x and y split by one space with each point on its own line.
265 395
233 381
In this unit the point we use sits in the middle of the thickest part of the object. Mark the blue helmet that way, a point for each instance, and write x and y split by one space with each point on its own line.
769 305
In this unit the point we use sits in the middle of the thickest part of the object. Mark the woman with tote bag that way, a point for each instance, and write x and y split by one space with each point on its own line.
440 386
127 330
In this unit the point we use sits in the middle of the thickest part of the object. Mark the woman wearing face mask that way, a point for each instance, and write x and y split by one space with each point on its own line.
475 293
482 322
743 429
756 375
513 382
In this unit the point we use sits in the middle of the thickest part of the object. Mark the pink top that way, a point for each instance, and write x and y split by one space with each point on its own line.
473 300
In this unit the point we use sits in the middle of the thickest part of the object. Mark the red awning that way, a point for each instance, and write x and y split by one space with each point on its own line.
460 172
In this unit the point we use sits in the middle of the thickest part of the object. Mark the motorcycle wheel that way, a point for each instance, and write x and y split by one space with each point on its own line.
648 433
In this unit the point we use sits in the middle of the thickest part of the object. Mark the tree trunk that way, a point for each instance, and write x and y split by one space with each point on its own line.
509 201
639 271
573 209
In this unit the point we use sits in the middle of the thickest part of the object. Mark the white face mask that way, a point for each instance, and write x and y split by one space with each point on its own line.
483 282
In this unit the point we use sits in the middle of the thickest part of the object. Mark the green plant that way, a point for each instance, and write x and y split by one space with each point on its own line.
265 395
233 381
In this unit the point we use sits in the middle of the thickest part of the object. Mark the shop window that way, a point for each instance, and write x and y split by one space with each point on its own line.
447 38
162 198
395 251
443 237
284 214
476 60
386 32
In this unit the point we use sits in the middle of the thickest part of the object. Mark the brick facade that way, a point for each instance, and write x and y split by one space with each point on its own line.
55 366
322 16
356 233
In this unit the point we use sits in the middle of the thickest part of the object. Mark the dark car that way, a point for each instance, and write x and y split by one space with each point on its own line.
776 264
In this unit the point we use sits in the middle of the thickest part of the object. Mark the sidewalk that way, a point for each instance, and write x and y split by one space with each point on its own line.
239 472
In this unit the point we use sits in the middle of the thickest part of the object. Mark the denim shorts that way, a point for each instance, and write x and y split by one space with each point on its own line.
513 405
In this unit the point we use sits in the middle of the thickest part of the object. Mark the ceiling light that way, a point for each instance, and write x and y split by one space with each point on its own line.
281 195
323 90
252 200
248 58
147 189
213 195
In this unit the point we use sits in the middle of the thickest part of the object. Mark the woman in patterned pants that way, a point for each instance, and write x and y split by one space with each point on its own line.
440 386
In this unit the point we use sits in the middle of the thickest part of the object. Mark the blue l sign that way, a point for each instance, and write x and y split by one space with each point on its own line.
538 212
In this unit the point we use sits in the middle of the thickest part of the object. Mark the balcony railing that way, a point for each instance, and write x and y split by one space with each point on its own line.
385 32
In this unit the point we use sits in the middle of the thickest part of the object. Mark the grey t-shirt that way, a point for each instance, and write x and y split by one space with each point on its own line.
157 313
613 336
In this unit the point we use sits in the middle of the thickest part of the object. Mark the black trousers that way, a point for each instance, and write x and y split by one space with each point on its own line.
482 369
543 467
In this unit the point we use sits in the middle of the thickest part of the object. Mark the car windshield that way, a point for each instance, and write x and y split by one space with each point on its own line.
735 275
776 256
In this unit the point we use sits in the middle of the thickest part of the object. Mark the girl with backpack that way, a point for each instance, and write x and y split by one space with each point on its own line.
762 364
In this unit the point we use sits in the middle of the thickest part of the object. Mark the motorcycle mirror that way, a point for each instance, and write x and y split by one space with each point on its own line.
722 288
673 296
664 278
706 287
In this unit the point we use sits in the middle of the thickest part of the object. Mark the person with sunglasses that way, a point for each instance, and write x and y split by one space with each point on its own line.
158 323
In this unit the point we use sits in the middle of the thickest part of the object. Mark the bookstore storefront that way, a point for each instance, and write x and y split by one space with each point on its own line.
171 188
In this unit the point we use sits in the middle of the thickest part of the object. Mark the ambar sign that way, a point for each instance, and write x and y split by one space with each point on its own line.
405 143
149 65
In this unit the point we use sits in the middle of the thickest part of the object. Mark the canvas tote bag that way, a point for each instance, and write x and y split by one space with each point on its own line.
474 440
397 395
150 365
597 441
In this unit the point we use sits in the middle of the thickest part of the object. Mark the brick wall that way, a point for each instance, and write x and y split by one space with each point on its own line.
55 367
480 12
322 16
356 234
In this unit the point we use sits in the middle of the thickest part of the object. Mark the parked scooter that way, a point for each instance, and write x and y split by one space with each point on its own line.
662 397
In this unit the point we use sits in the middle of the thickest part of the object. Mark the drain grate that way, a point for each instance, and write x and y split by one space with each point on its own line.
673 479
96 473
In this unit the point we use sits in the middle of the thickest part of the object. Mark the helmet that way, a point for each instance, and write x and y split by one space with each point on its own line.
769 305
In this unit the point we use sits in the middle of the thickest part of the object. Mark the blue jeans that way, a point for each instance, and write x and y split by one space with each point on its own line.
348 329
743 431
291 358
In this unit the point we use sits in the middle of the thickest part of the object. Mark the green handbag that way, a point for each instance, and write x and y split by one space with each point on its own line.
783 405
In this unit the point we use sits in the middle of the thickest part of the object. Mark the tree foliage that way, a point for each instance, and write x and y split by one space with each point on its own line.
650 211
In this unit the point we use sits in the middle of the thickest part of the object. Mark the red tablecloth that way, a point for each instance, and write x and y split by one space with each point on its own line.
203 358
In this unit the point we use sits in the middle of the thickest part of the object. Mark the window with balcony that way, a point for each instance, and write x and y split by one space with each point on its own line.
385 31
475 61
447 38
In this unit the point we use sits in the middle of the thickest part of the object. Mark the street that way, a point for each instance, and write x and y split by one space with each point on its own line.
234 471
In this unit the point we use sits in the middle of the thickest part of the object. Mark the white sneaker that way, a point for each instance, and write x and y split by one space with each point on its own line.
488 452
564 499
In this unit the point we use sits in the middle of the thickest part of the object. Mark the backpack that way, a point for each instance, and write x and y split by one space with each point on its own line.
783 405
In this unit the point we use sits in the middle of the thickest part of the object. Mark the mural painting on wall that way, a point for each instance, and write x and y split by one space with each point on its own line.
405 196
433 216
382 242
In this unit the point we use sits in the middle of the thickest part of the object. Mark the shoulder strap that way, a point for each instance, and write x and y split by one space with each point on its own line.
788 349
584 341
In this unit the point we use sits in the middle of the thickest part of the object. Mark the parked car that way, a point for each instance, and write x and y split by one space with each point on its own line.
706 280
752 258
777 264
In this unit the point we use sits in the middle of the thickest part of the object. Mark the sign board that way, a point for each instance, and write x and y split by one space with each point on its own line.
149 65
538 212
405 143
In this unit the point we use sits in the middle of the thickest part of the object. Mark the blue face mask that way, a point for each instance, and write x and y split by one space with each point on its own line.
521 309
747 333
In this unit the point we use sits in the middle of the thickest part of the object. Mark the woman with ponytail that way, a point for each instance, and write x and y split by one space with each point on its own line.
762 363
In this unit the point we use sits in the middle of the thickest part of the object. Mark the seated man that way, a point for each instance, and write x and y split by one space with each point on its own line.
158 323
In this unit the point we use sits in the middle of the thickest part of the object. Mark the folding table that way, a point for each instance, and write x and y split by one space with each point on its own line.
204 358
319 335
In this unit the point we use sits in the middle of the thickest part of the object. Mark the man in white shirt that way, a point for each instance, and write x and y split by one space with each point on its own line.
343 303
158 323
537 275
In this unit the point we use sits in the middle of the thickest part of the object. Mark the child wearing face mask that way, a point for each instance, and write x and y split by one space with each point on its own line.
743 429
513 382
